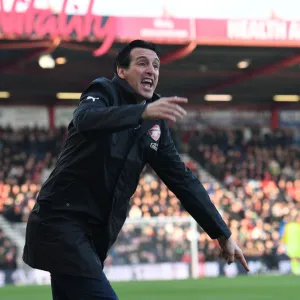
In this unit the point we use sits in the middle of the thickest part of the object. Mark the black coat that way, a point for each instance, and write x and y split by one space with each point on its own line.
84 203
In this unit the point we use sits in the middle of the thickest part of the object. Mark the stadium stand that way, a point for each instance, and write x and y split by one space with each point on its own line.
258 195
260 171
26 158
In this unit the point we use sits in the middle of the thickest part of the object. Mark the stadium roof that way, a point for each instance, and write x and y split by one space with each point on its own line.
192 71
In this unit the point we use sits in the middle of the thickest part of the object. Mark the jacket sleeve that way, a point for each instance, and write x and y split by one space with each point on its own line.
96 111
191 193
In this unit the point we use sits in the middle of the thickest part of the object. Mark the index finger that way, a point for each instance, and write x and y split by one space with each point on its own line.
177 100
244 263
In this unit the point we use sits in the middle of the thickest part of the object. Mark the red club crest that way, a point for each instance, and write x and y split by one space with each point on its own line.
155 132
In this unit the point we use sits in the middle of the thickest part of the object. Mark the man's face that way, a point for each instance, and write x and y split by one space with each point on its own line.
142 73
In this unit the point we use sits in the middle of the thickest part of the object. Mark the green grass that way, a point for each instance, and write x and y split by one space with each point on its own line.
246 288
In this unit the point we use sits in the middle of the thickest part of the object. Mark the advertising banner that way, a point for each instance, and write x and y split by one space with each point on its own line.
63 115
229 118
188 9
167 29
162 271
217 22
24 116
270 32
291 119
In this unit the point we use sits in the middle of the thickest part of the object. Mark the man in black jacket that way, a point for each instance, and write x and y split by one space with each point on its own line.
118 127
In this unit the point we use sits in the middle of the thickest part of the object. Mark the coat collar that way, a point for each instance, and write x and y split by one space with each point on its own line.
128 89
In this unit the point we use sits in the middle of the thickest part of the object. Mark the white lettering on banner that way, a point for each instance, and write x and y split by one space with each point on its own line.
229 117
73 6
257 30
34 276
255 266
160 23
178 33
164 28
214 9
163 271
24 116
290 116
2 278
285 267
231 270
211 269
63 115
294 31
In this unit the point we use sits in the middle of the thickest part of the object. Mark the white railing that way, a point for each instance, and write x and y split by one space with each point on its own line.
187 223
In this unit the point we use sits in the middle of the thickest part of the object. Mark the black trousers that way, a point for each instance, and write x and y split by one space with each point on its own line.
67 287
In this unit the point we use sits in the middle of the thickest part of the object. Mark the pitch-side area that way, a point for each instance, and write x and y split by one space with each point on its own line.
245 288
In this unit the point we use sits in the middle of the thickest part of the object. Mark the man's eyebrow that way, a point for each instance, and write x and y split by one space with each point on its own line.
142 56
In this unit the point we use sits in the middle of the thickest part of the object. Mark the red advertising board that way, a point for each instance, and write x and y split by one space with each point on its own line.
36 23
241 32
165 30
32 22
271 32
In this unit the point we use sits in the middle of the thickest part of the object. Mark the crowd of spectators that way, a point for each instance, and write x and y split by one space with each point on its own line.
260 192
26 158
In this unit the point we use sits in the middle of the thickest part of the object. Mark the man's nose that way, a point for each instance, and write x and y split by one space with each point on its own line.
150 70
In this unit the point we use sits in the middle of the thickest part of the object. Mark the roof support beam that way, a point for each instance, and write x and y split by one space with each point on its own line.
29 56
284 63
25 45
179 53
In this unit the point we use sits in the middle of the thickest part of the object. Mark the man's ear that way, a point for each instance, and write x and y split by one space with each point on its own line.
120 72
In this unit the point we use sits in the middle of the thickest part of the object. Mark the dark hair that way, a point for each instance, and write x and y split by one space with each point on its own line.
123 58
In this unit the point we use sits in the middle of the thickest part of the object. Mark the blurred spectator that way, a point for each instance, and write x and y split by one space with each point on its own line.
8 253
291 240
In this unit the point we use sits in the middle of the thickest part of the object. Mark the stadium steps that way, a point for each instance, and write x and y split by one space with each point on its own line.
207 177
14 236
203 175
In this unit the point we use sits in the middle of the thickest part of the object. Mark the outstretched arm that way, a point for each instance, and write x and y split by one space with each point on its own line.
191 193
96 110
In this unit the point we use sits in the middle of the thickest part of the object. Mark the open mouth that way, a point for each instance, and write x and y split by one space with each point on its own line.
147 83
